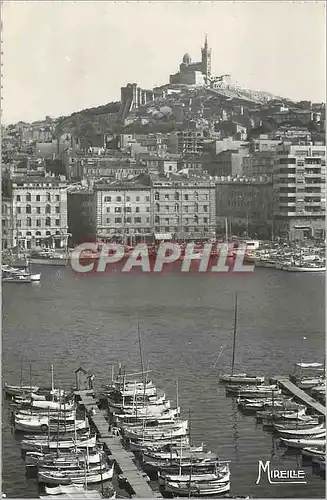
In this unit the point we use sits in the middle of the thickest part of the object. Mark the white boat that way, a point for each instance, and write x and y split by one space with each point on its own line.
138 431
220 476
196 489
52 405
130 418
54 414
295 425
149 444
15 279
313 451
77 477
298 433
163 434
304 443
42 424
18 390
175 453
305 268
45 444
33 459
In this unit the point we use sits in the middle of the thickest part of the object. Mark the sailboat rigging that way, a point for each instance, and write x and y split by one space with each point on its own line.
239 378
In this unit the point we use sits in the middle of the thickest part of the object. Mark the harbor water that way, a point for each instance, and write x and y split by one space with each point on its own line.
186 321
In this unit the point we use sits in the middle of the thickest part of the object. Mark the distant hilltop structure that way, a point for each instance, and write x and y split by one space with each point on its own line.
199 73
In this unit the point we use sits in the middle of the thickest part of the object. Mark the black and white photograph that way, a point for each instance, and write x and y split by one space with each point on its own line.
163 260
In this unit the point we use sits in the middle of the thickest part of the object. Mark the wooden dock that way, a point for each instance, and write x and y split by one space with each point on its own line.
285 384
123 458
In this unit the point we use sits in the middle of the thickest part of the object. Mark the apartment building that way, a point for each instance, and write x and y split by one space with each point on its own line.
39 207
189 142
300 191
183 207
123 210
259 163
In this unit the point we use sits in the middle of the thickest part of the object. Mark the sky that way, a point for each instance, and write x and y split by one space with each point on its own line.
61 56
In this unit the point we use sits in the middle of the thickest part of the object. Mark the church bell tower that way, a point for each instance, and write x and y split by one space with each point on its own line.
206 59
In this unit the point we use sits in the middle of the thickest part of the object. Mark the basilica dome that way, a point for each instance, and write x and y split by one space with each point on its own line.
187 59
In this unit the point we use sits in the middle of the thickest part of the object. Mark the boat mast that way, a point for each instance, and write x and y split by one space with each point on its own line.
226 231
52 383
234 335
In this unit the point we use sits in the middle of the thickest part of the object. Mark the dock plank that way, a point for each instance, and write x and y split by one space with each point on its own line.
287 385
124 459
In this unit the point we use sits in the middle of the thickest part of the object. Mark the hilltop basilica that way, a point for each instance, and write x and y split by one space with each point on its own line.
198 73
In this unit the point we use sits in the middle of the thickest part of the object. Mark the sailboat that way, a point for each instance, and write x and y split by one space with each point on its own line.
239 378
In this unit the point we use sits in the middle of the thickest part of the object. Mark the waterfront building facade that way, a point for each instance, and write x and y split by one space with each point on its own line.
246 204
39 207
123 211
7 223
184 207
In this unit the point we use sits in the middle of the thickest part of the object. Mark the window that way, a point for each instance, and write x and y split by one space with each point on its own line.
57 197
166 196
57 222
196 207
28 222
128 198
38 210
127 209
28 197
196 195
108 220
176 196
128 220
118 198
48 209
108 210
19 223
57 210
205 220
147 198
137 209
186 197
156 196
48 233
107 198
167 220
157 219
196 219
147 209
167 229
137 220
38 223
205 208
148 220
185 209
117 220
28 209
137 198
157 207
18 197
19 210
38 233
167 208
28 233
176 207
117 210
48 221
48 196
38 197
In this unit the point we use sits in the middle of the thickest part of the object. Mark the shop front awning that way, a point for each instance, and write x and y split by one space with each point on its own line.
163 236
